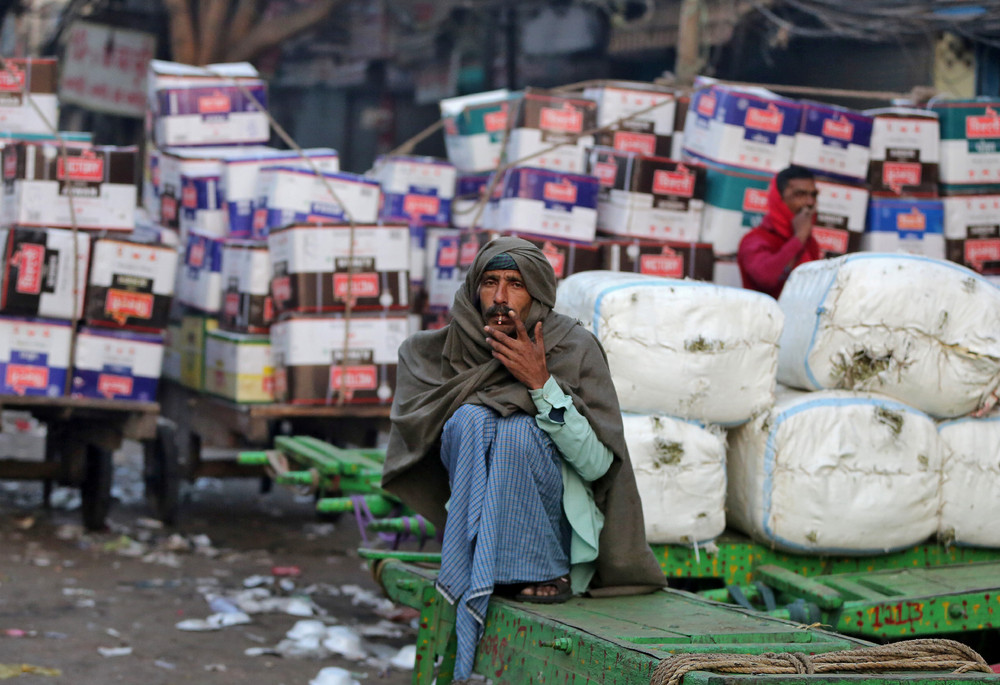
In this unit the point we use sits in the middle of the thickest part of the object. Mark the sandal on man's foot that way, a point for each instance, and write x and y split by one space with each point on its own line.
562 593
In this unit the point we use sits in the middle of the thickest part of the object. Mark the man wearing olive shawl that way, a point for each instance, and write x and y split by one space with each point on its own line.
509 417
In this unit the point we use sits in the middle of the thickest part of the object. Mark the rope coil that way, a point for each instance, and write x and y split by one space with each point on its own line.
909 655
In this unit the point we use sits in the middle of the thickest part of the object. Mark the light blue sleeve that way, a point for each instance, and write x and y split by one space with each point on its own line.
570 431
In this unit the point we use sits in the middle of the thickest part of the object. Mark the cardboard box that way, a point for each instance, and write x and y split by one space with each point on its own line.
246 287
101 179
287 195
972 232
199 282
194 329
131 284
22 436
474 128
645 116
905 152
311 267
117 365
566 257
841 211
469 244
469 190
748 128
187 183
970 142
239 367
415 190
909 226
648 197
834 141
172 353
34 356
735 202
191 105
546 203
310 367
38 272
239 177
24 78
665 258
549 132
444 277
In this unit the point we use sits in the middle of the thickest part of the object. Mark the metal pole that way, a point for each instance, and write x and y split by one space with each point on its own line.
688 60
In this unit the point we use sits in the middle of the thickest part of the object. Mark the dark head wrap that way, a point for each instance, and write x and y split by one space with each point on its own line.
441 370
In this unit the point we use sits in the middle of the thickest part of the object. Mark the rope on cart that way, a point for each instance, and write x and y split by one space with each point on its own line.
909 655
351 268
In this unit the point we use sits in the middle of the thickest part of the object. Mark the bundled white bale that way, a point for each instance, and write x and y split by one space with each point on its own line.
971 485
836 472
924 331
680 469
689 349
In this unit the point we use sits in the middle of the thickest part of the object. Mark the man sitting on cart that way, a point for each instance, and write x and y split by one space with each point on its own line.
507 418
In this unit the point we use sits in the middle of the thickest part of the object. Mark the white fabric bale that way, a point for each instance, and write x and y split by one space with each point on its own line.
684 348
971 485
680 469
836 472
923 331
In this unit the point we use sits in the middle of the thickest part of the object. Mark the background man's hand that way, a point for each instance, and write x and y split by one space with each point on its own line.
524 358
802 224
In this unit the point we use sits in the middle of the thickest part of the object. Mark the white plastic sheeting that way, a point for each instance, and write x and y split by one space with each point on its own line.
683 348
923 331
971 485
836 472
680 469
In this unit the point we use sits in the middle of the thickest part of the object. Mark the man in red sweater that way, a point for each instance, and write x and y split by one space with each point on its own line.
783 240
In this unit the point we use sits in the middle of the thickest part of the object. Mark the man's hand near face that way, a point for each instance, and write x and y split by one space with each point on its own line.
802 223
523 357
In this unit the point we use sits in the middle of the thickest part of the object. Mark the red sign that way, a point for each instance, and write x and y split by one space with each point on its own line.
119 305
29 259
447 257
362 285
769 119
677 182
495 121
281 288
642 143
754 200
85 167
706 104
838 128
895 175
556 258
361 377
568 120
22 377
469 251
421 205
979 251
560 192
831 239
231 304
217 103
111 385
12 79
605 173
986 125
915 220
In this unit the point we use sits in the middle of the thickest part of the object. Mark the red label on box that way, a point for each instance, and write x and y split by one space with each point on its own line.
568 120
362 285
281 288
915 220
119 305
831 239
421 205
606 173
668 265
168 208
469 251
447 257
556 258
754 200
86 167
979 251
769 119
642 143
12 79
364 377
29 260
895 175
110 385
560 192
189 196
231 304
217 103
838 128
986 125
10 166
677 182
706 104
196 255
22 377
495 121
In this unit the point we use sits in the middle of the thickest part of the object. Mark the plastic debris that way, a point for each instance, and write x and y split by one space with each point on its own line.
382 629
344 641
360 596
304 629
290 571
214 622
15 670
406 658
114 651
333 675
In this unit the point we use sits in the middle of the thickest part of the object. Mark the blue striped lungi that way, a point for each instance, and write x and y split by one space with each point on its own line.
505 518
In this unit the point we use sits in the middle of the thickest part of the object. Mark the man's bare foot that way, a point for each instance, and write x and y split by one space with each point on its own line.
547 592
